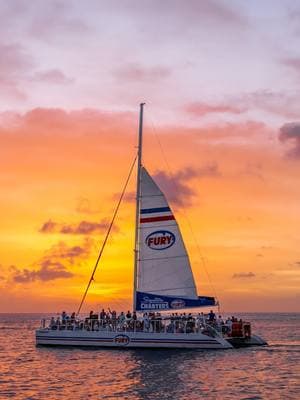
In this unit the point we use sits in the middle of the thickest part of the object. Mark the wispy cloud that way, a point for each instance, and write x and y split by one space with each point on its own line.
47 271
290 133
136 72
176 186
80 228
85 228
200 109
14 63
61 251
84 207
293 64
243 275
53 20
54 76
54 264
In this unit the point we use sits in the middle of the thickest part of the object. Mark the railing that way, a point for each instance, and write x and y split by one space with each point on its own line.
163 325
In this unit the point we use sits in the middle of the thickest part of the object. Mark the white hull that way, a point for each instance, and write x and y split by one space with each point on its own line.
129 339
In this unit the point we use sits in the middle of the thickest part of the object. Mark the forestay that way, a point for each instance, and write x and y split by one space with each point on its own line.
165 278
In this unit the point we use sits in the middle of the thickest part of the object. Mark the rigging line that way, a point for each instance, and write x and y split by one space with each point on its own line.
107 234
183 212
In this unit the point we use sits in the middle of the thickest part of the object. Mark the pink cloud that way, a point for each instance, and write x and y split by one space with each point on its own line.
137 72
52 76
293 63
56 20
290 133
14 65
200 109
13 59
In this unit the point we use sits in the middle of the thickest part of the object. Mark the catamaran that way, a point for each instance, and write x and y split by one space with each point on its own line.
163 284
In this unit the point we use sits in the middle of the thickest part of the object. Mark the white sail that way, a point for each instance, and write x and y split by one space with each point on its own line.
163 263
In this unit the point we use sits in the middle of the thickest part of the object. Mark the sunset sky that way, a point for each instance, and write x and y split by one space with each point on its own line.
221 82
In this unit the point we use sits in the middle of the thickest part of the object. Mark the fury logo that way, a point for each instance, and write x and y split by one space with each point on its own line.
160 240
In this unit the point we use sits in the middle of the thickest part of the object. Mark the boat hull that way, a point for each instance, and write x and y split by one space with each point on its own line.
46 337
254 340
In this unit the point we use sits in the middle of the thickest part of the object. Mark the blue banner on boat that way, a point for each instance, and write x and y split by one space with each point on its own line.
150 301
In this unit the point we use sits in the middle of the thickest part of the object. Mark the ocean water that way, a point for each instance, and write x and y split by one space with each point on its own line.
272 372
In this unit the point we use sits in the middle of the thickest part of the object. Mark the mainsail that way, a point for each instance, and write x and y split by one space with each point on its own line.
164 276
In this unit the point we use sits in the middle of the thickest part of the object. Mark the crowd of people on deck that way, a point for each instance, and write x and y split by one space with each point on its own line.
148 322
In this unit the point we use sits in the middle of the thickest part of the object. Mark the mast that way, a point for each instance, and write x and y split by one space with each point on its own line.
137 213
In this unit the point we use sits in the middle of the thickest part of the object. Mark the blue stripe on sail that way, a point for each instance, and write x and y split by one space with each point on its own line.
155 210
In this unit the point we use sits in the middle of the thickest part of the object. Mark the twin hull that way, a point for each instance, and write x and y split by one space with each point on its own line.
129 339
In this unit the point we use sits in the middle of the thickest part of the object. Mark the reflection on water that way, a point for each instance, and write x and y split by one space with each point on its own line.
161 373
27 372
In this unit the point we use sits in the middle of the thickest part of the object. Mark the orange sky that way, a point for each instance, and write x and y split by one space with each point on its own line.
222 96
61 173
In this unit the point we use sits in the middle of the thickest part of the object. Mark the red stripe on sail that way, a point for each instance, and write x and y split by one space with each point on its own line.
156 219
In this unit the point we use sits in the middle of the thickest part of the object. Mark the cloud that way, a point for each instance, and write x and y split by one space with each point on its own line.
290 133
53 265
48 227
81 228
253 169
54 76
180 17
176 186
84 207
281 103
54 21
129 197
84 123
243 275
136 72
85 228
61 251
14 64
47 271
293 63
200 109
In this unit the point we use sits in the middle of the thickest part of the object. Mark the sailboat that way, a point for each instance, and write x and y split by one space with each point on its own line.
163 284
